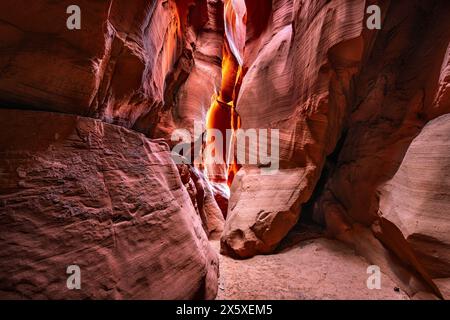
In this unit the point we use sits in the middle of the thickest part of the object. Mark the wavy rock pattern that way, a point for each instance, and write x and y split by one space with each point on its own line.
363 143
417 199
393 100
287 87
128 61
191 97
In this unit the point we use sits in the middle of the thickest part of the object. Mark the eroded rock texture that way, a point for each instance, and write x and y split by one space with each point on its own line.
417 200
77 191
203 198
125 65
300 57
402 84
348 102
188 97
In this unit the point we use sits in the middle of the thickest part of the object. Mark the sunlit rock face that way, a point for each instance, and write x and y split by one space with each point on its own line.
77 191
127 62
299 60
320 76
320 80
197 74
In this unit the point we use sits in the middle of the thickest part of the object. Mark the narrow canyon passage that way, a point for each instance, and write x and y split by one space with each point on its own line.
316 268
222 115
225 149
312 269
335 264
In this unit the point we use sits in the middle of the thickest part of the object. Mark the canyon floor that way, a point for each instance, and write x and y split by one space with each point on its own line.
303 269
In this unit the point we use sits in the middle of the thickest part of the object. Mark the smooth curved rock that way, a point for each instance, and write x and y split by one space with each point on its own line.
417 200
402 85
290 85
190 98
348 102
129 64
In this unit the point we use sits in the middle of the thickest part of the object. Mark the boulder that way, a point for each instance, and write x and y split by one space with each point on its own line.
78 191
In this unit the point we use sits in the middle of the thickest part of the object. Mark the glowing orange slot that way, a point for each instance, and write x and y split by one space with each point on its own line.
222 114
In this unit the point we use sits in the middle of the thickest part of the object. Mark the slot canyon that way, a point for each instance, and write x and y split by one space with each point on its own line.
87 170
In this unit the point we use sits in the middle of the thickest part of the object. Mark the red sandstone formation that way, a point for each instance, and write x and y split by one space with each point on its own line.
199 71
416 199
316 73
203 196
78 191
291 85
402 84
363 120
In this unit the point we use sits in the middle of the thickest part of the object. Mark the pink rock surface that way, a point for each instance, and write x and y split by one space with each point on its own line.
320 80
128 63
190 98
363 149
203 198
291 85
417 200
77 191
401 86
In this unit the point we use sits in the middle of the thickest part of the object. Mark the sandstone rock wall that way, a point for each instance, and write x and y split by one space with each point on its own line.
77 191
129 61
417 200
402 85
348 102
298 74
188 99
395 95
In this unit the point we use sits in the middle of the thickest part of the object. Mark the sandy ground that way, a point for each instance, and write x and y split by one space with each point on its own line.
312 269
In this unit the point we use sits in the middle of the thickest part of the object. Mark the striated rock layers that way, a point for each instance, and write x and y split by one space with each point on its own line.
417 200
299 63
131 63
77 191
348 102
403 84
